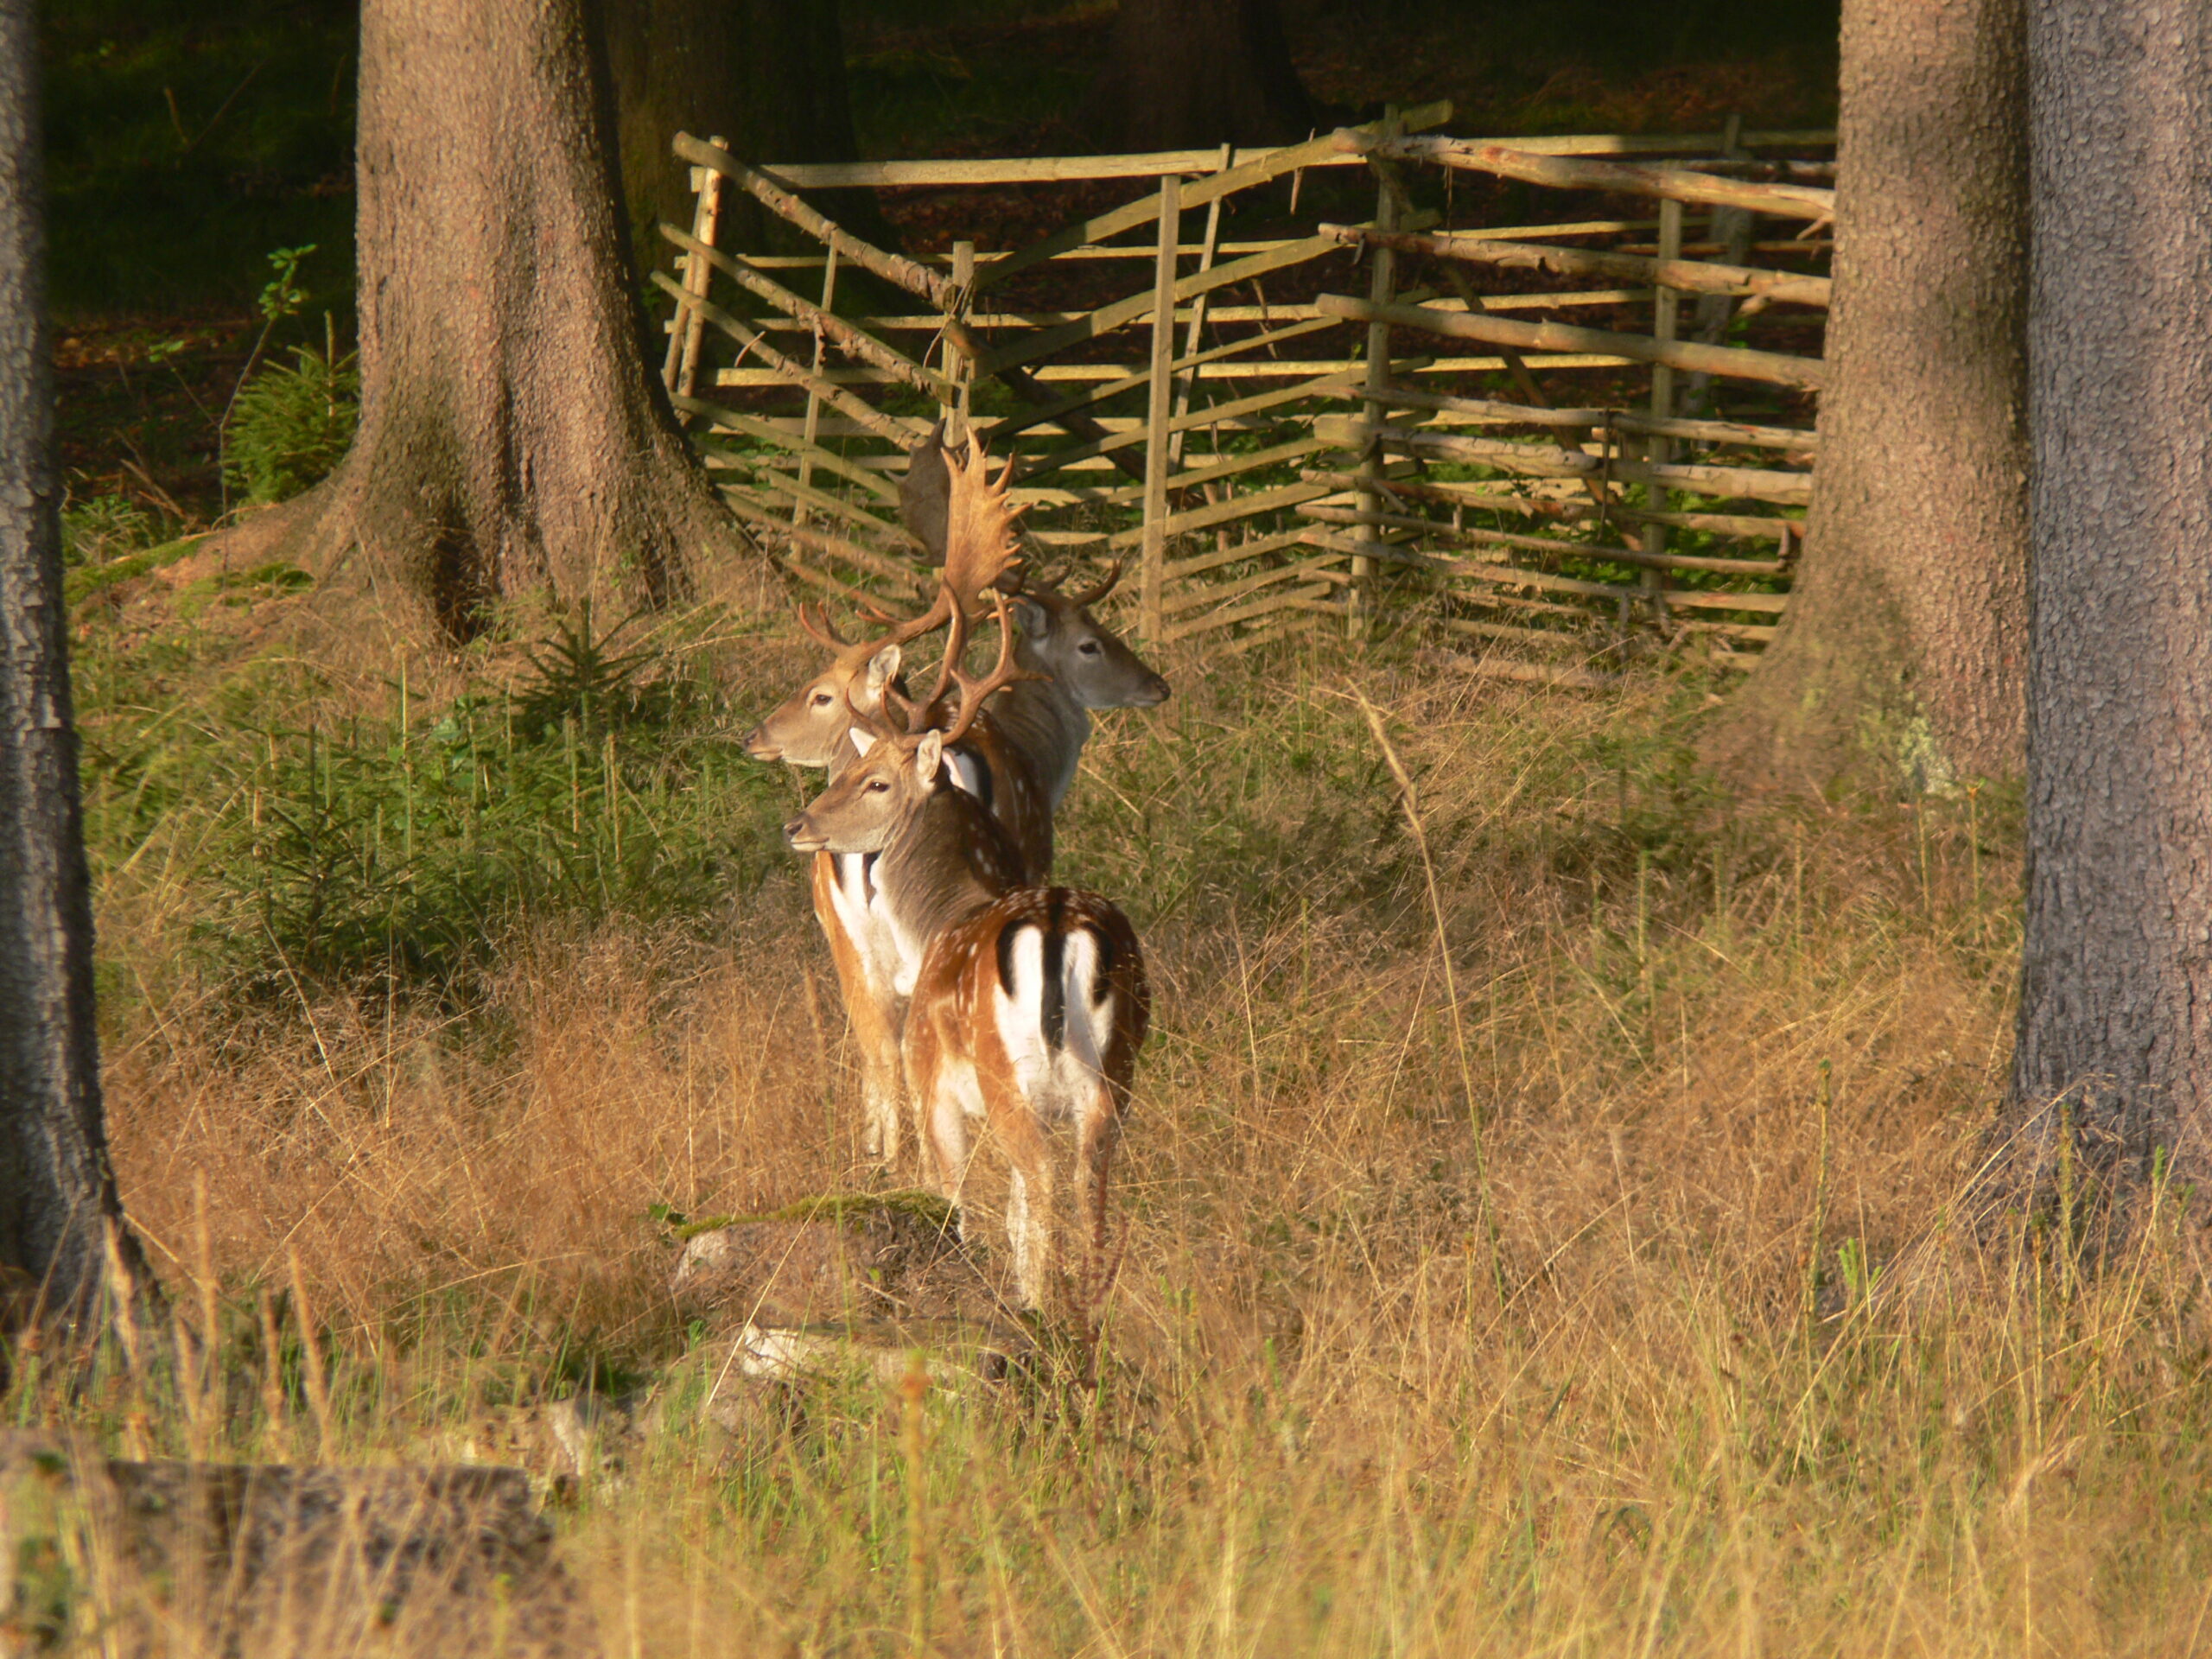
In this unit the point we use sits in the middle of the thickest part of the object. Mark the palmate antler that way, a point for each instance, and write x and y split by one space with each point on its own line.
981 546
981 550
973 693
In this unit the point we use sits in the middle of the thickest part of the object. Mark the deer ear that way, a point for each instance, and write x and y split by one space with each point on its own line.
863 740
882 670
1033 619
929 755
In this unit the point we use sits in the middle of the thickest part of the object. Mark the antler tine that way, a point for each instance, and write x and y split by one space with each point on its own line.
814 620
974 693
1091 597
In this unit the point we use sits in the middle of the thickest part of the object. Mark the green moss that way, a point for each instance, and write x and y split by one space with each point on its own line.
840 1207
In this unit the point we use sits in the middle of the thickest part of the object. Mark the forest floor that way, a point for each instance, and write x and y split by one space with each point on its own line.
1559 1233
1563 1240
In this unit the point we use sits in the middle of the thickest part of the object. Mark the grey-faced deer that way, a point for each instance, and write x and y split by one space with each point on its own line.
1027 1004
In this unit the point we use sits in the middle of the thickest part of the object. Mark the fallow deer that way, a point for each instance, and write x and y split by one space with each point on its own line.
1027 1005
1019 758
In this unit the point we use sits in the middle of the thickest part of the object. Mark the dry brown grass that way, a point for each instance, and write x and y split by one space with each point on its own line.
1722 1064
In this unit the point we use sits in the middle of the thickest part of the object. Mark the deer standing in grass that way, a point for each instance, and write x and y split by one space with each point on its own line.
1018 757
1028 1004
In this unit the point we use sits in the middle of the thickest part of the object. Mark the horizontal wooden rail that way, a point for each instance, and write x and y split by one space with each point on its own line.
1543 543
785 369
1305 571
1223 512
1401 479
847 337
864 558
1325 386
1131 380
1263 368
1621 420
1179 569
1107 318
1730 362
1256 170
1671 183
1065 169
748 426
1236 613
1549 461
1694 276
1288 312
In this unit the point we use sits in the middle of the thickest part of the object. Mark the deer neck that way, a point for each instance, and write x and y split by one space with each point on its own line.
948 860
1047 728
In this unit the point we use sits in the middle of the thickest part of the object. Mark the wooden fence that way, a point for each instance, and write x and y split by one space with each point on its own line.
1166 408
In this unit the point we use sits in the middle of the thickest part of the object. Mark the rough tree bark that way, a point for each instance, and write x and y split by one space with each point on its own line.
57 1190
511 441
1903 656
2116 977
1184 74
766 75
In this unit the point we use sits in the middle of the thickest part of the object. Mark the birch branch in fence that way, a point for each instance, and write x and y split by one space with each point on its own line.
1564 173
854 341
1693 276
1730 362
778 200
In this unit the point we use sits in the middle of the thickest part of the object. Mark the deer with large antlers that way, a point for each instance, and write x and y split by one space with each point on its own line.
1018 757
1027 1005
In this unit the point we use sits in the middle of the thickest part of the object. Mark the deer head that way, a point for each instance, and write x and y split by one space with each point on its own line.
1087 661
981 548
866 808
808 729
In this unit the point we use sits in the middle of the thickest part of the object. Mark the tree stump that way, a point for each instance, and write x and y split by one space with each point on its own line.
171 1556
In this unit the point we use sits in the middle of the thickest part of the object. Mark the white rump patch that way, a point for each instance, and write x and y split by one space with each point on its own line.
1062 1081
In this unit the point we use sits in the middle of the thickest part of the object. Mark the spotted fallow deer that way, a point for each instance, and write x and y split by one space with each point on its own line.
1019 758
1027 1005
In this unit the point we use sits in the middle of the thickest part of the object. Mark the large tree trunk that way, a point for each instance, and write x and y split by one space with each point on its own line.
1183 74
2116 979
766 76
1903 656
57 1190
511 441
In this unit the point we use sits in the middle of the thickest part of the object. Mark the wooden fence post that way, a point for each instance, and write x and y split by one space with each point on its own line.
680 372
1666 309
1156 460
1381 290
813 429
958 366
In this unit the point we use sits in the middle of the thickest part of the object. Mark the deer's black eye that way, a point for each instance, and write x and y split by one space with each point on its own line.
822 699
1088 648
877 786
